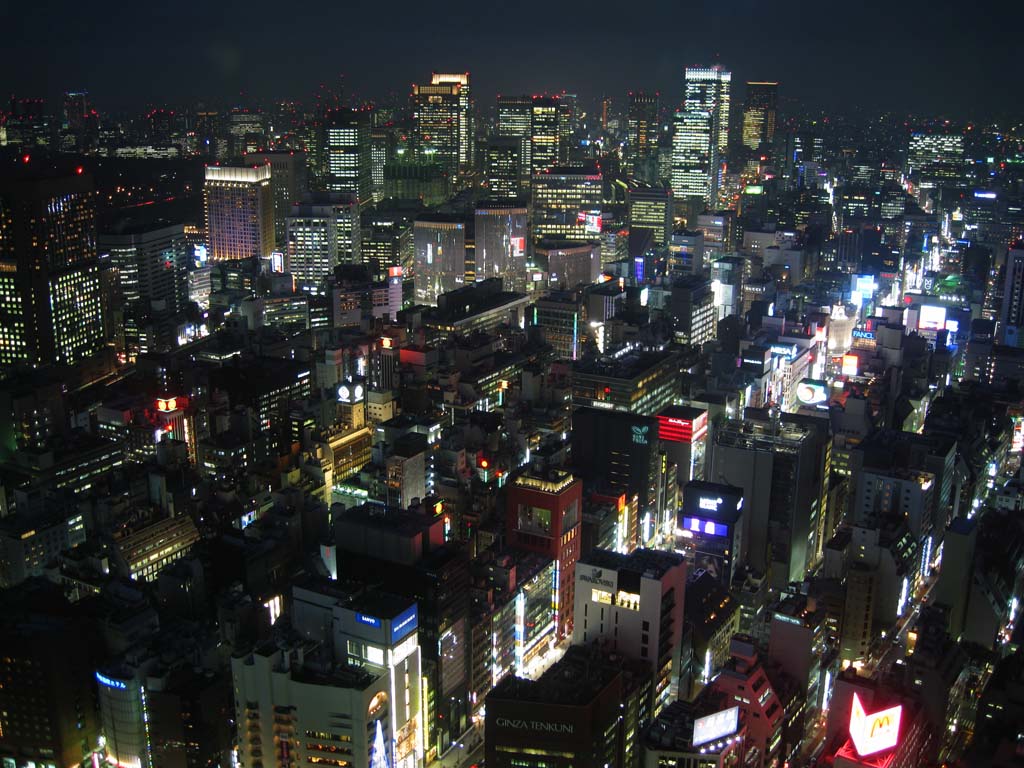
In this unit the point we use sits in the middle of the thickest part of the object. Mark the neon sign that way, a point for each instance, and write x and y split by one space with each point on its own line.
875 732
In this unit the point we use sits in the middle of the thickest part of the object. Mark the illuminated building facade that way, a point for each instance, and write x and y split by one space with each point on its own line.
349 154
239 207
503 167
326 705
569 264
935 158
701 137
650 207
545 134
710 526
566 203
439 243
759 115
634 603
543 515
683 431
323 232
50 304
287 180
514 116
145 551
437 124
642 125
467 126
501 232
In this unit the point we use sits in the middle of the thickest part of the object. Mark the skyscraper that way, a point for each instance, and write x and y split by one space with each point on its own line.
643 133
467 126
503 167
437 124
545 133
50 309
501 232
514 116
759 114
347 136
701 135
440 262
323 231
287 180
239 207
567 203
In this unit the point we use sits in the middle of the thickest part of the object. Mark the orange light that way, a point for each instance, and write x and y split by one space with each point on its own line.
386 342
172 404
161 405
484 463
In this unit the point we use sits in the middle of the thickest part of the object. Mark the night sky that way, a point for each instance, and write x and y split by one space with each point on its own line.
910 57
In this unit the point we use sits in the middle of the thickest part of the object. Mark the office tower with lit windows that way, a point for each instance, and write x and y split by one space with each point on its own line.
382 152
437 118
514 117
545 133
503 167
288 182
151 259
650 207
759 115
642 126
50 307
501 232
439 244
634 602
566 203
239 207
467 125
323 232
348 154
935 158
701 137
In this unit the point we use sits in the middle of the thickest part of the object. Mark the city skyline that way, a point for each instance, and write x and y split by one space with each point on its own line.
820 63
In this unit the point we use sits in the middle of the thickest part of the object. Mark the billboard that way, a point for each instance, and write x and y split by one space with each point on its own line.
875 732
716 726
678 430
931 318
707 527
404 623
812 391
850 365
591 221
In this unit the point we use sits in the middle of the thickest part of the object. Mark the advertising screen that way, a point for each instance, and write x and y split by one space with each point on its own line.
931 318
811 391
850 365
707 527
724 723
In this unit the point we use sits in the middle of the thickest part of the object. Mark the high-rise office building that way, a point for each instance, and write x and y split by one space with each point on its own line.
545 133
935 157
437 124
1011 315
323 231
775 464
348 154
239 206
439 243
382 152
50 306
759 115
467 125
634 602
503 167
151 259
650 207
514 116
543 515
501 231
567 203
569 264
701 137
642 127
287 180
